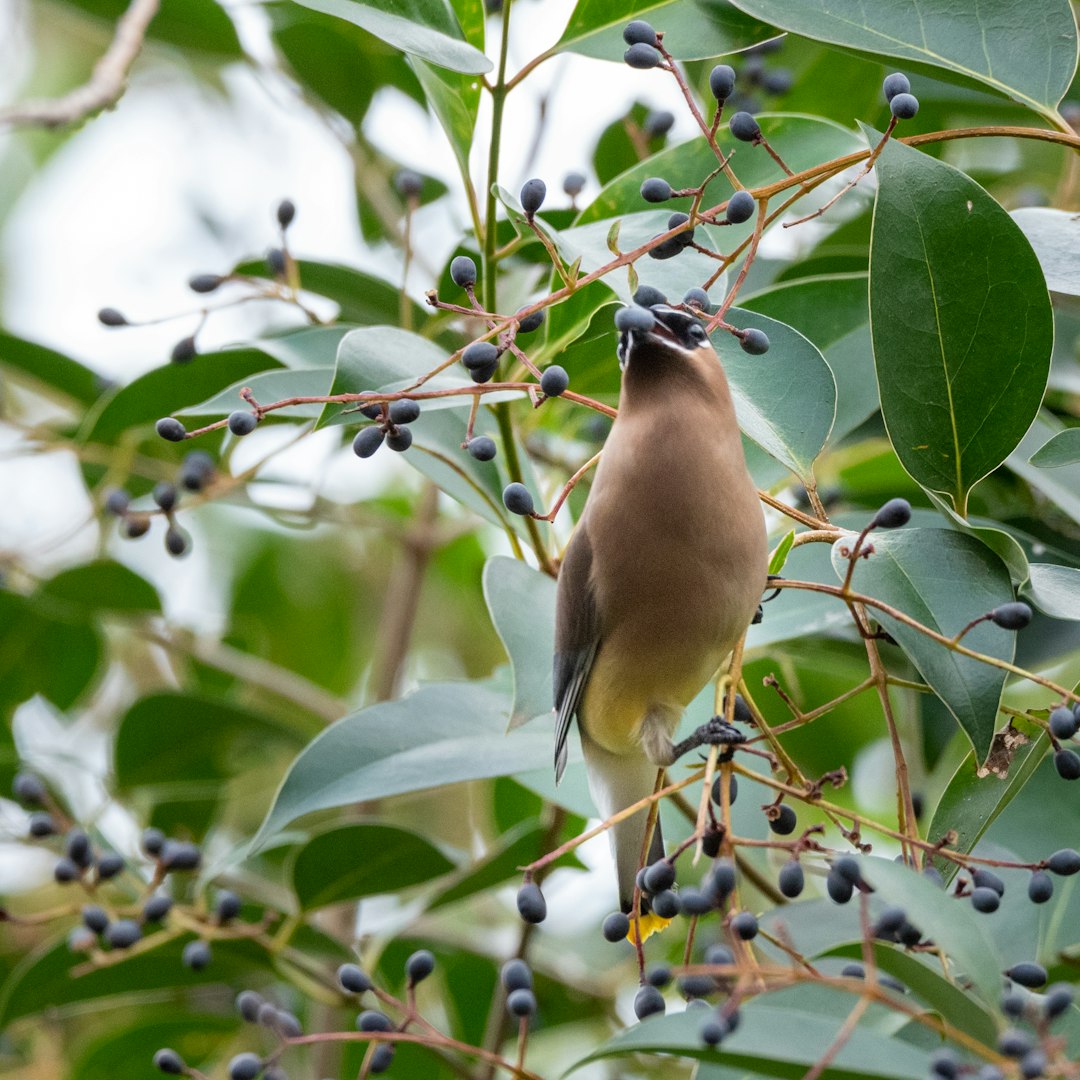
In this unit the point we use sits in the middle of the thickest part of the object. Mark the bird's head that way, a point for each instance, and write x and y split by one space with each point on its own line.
661 338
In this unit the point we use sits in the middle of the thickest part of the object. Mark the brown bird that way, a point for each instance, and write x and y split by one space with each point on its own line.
662 575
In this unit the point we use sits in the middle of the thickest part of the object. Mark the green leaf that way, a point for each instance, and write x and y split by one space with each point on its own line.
951 924
785 400
779 556
424 28
692 31
202 25
522 605
49 369
1055 237
1060 449
1004 546
961 322
775 1042
997 44
1054 590
390 748
269 387
455 100
84 591
352 861
944 580
1061 485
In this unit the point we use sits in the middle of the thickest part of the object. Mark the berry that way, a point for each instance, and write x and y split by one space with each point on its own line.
373 1020
1013 1004
717 791
169 1061
985 900
1014 1043
286 211
227 906
176 541
196 955
1067 763
616 926
521 1003
404 411
639 31
1033 1064
419 966
659 876
152 841
1064 862
777 82
532 195
135 525
267 1015
479 355
205 283
367 441
372 412
183 351
646 296
109 316
516 975
658 976
848 867
658 122
287 1024
655 190
853 971
1028 974
171 430
77 848
463 272
484 374
531 905
1012 616
641 56
554 381
109 866
165 495
745 925
532 322
648 1001
943 1064
895 84
408 184
573 183
744 127
838 887
123 933
785 821
245 1067
95 918
904 106
720 883
399 439
719 955
676 221
695 902
517 500
741 207
696 986
180 855
712 1032
353 979
65 871
197 470
275 259
666 904
697 298
987 879
890 921
242 423
482 448
909 934
791 879
1063 723
117 501
633 317
28 788
42 825
722 82
381 1059
1058 999
156 908
894 514
755 342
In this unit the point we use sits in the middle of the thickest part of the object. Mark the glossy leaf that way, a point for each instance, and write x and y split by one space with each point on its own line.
203 26
49 369
996 44
1002 544
1055 237
1060 449
455 100
961 322
1061 484
268 387
784 400
88 590
353 861
424 28
944 580
1054 590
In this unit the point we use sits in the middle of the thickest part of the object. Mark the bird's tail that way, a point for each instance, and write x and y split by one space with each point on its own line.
617 781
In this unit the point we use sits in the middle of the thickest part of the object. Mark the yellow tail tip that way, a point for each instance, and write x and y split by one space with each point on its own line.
647 925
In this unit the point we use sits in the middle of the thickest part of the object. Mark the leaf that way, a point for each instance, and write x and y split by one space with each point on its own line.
783 549
1061 485
998 44
202 26
1055 237
1002 544
391 748
773 1041
85 591
49 368
692 31
454 99
943 579
1060 449
784 400
353 861
961 322
1054 590
951 924
268 387
521 601
424 28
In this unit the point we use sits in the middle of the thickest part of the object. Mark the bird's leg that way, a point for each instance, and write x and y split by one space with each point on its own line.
716 732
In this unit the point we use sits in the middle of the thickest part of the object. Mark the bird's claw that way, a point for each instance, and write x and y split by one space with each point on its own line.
716 732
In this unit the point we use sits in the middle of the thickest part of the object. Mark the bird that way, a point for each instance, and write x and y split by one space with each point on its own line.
661 576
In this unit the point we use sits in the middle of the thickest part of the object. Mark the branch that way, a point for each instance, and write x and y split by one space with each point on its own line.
107 82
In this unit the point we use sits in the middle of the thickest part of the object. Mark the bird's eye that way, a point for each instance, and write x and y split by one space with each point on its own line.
696 333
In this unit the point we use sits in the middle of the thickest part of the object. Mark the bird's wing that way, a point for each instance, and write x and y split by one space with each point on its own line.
577 637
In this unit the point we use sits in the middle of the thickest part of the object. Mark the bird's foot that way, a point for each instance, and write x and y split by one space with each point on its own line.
717 732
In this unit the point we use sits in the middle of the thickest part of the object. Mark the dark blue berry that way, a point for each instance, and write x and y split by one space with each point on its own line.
616 926
373 1020
645 296
117 502
109 316
987 879
165 495
894 514
286 211
695 902
554 381
479 355
1012 616
242 423
482 448
744 127
245 1066
183 351
658 122
367 441
399 439
419 965
1028 974
353 979
1057 1001
741 207
532 196
123 933
655 190
205 283
531 905
648 1002
745 925
405 411
722 82
408 184
381 1059
169 1061
904 106
666 904
573 183
170 429
633 317
985 900
638 32
641 56
659 876
28 788
180 855
196 955
791 880
1064 862
1067 763
838 887
42 825
532 322
518 500
227 906
521 1003
697 298
516 975
755 342
785 821
95 918
463 272
156 908
1063 723
895 84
